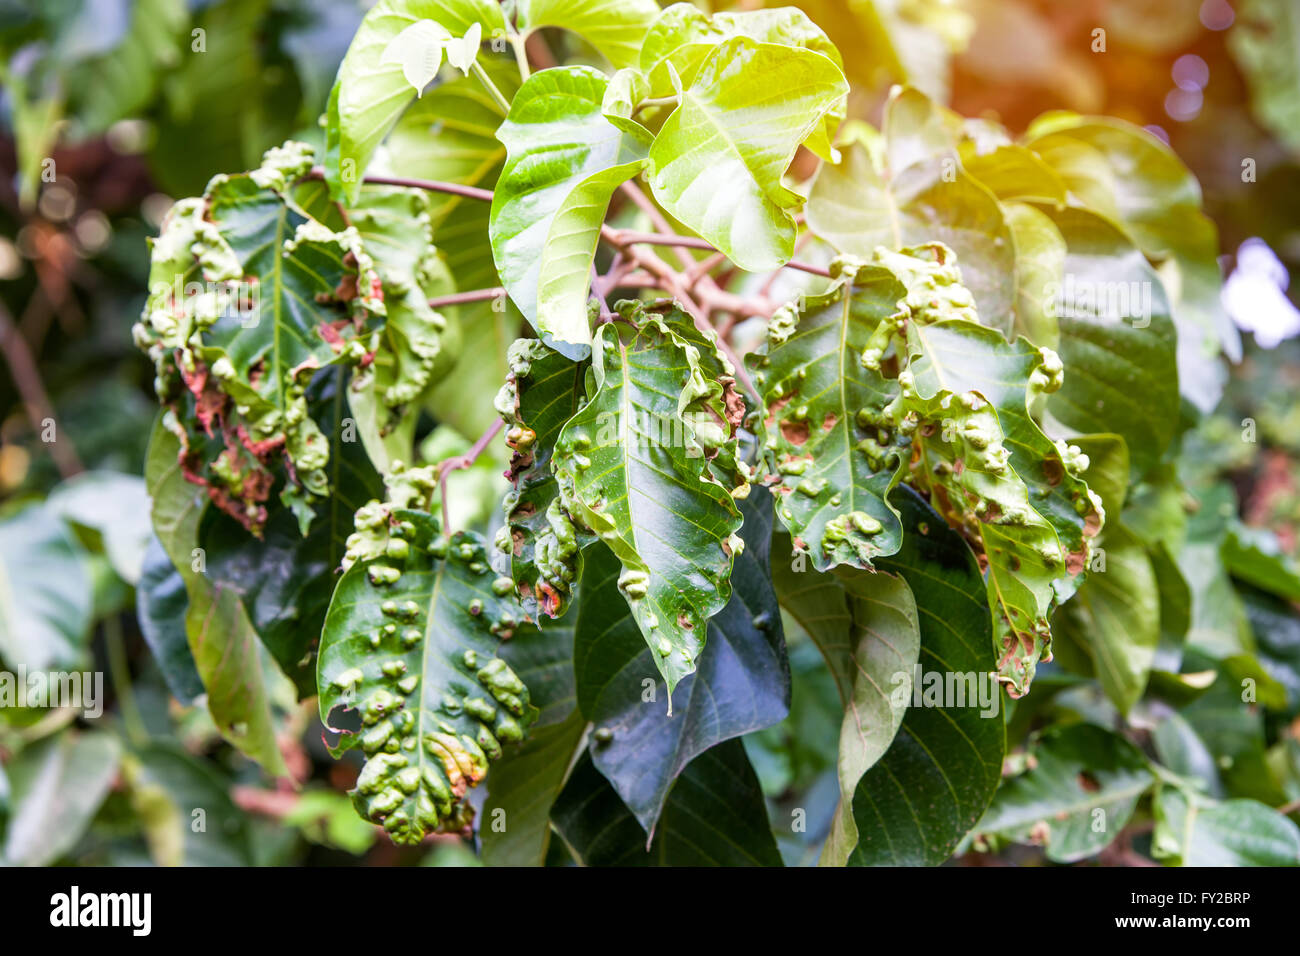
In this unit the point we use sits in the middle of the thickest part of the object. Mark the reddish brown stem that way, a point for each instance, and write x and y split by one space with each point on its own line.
32 391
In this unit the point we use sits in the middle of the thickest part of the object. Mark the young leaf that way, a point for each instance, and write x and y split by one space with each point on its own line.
614 27
565 161
633 466
542 392
823 429
715 816
718 161
411 642
369 94
919 800
742 685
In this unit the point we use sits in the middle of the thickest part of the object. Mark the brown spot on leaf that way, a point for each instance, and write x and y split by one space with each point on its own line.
796 433
829 421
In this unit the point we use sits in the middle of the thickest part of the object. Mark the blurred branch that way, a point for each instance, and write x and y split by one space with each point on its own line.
32 391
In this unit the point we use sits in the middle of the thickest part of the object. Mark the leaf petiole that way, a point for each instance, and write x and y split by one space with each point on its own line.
490 86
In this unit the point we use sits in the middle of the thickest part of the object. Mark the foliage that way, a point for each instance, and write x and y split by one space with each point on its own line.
912 556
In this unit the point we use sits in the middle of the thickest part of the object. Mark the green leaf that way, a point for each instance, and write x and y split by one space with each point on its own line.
1117 341
56 785
45 593
857 206
1147 189
718 161
1191 832
161 605
1012 172
227 653
370 95
1040 261
565 161
527 779
1081 791
917 802
115 506
866 628
1265 43
1115 616
683 38
614 27
275 295
633 467
411 642
742 684
714 816
1256 556
543 390
824 435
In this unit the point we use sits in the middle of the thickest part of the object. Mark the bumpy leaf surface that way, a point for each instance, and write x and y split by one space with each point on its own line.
411 643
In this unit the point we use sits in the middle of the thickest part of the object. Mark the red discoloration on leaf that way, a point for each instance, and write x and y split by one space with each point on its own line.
829 421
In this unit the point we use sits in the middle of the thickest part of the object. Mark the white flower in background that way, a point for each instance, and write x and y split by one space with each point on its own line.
419 49
1255 295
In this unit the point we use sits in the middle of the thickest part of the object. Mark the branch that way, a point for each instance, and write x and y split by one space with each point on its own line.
433 185
460 298
458 462
32 391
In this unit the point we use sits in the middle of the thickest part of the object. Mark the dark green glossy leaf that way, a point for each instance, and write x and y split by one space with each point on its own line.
714 816
742 684
161 605
932 785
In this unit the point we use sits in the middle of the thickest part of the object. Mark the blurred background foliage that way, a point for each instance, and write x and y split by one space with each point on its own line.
111 109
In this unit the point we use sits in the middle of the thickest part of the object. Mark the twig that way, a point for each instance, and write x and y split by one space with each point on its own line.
433 185
490 86
32 391
458 462
460 298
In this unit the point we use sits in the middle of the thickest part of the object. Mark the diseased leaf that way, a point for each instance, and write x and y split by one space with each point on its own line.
286 579
919 800
824 428
714 817
226 651
634 467
565 159
718 161
369 94
542 392
742 684
411 642
1082 774
248 297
